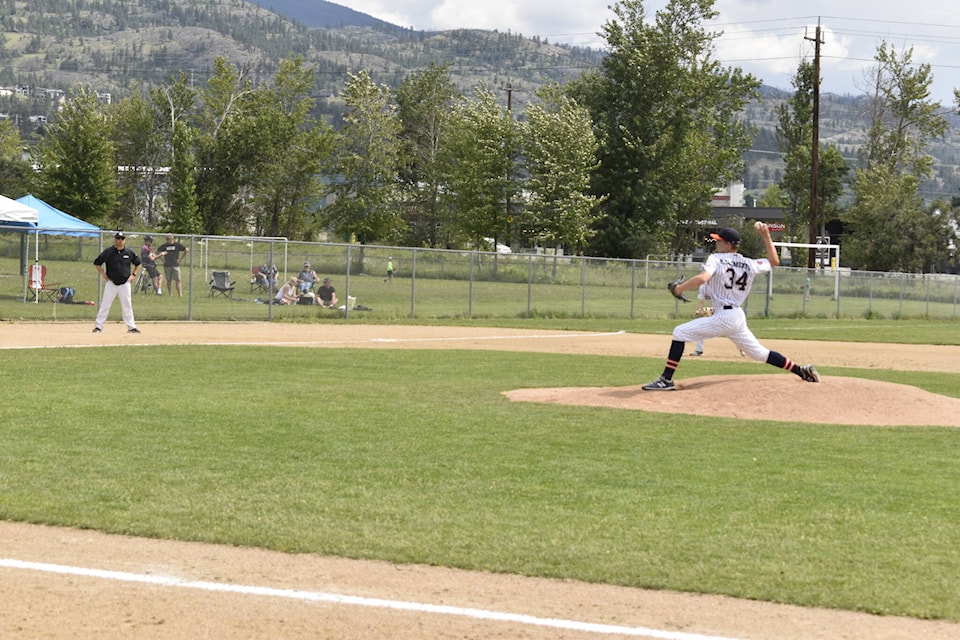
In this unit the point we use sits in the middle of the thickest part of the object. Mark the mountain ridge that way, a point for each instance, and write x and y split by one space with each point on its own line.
109 46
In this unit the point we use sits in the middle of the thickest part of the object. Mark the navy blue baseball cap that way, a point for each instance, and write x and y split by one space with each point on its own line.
728 234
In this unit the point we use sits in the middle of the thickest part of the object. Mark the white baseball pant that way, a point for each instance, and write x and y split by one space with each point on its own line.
724 323
110 292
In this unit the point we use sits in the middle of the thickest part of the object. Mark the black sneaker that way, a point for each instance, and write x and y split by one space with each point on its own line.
697 353
134 330
809 373
97 329
660 384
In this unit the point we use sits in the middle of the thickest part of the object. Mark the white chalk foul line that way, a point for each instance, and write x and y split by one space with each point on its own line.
520 337
316 343
334 598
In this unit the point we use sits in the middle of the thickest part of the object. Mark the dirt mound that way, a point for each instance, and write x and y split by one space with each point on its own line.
835 400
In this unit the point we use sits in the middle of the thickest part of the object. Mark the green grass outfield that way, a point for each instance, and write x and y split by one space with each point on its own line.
415 456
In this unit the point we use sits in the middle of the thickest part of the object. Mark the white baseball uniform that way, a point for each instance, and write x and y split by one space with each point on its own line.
731 276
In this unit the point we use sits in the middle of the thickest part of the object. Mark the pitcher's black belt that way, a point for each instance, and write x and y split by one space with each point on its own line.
727 307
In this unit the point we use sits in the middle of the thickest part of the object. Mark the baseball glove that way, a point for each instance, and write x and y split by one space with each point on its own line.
673 290
703 312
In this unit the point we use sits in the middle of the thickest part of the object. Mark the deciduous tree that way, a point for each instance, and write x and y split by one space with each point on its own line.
76 162
667 116
887 228
365 164
424 101
559 154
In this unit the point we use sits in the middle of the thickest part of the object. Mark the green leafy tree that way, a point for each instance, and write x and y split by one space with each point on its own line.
76 162
667 117
15 171
480 160
287 189
887 228
174 103
559 154
143 153
795 139
425 100
365 165
184 215
230 139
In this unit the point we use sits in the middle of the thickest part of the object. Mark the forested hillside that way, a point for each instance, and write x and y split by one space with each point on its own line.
50 46
109 45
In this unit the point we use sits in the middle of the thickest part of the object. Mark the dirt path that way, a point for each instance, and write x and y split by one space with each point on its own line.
161 589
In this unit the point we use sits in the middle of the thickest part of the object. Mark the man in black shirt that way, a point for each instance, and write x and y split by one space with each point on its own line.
118 266
172 252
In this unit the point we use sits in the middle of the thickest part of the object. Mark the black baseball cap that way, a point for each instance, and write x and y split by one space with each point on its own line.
119 235
728 234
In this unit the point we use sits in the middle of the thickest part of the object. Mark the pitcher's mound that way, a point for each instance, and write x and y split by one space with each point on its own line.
781 397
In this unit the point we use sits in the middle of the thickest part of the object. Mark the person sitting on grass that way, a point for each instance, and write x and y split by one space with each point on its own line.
288 293
326 294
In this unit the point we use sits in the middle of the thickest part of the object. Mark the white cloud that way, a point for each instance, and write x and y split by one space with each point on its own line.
759 37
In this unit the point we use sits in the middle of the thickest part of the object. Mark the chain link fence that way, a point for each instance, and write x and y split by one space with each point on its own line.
435 284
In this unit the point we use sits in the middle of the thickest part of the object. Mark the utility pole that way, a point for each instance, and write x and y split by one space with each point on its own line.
509 186
815 152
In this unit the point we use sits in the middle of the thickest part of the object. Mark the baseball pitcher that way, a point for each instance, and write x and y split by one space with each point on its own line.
727 277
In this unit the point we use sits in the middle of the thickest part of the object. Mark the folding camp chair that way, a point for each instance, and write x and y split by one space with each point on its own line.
257 281
38 285
220 284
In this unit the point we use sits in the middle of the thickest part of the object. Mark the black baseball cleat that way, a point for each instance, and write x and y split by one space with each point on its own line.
660 384
809 373
134 330
697 353
97 329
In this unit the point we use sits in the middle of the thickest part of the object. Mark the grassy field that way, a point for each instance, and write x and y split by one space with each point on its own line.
415 456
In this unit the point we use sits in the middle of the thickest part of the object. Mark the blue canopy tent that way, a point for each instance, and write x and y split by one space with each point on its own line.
52 221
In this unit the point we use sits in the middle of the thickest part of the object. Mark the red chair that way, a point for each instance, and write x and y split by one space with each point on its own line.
39 286
257 281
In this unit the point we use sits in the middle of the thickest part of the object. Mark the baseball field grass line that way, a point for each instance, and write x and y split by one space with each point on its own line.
356 601
415 456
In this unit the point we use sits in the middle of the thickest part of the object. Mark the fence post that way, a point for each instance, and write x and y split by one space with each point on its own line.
413 283
583 286
473 256
346 293
529 285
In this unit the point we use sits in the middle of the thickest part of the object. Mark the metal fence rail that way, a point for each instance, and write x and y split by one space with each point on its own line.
438 284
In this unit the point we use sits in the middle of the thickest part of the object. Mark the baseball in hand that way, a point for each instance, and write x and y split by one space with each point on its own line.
758 226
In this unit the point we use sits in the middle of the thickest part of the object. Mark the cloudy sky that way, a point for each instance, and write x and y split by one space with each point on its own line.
767 38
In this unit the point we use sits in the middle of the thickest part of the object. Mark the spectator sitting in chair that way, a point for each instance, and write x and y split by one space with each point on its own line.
306 278
267 277
288 293
326 294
